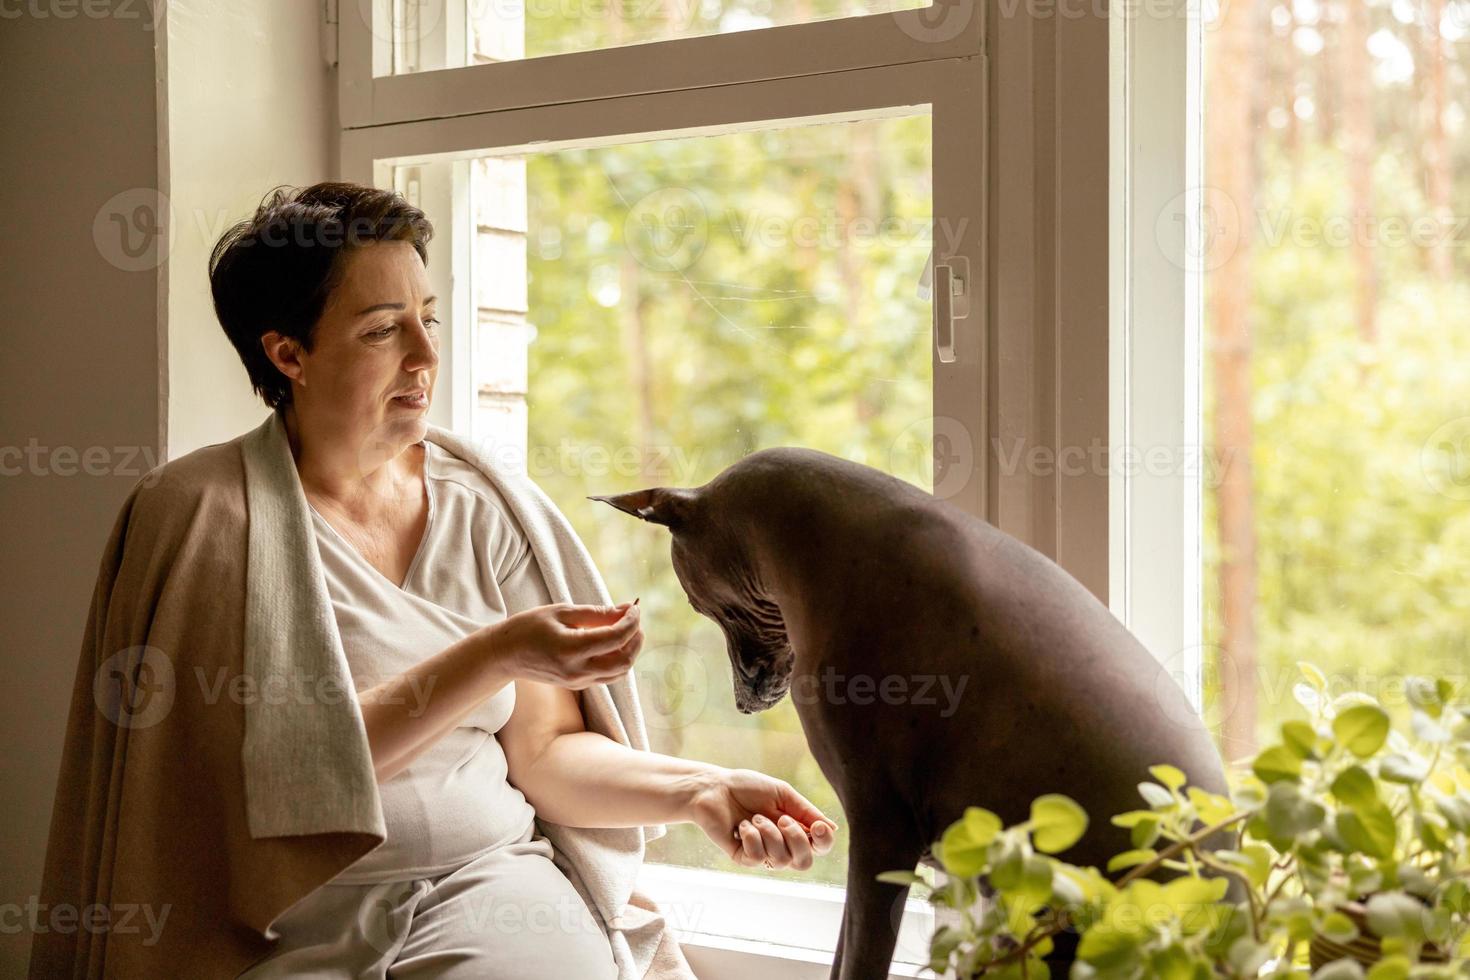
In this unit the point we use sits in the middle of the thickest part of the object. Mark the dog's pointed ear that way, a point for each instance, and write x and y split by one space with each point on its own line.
669 506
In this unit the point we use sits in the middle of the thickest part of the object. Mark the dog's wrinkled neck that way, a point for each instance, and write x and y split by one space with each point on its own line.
802 531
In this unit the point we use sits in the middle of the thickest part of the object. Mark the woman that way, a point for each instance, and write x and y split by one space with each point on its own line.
465 670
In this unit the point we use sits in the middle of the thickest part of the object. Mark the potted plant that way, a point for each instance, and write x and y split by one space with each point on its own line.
1350 842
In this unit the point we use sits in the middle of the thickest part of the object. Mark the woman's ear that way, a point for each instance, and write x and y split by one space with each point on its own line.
669 506
285 354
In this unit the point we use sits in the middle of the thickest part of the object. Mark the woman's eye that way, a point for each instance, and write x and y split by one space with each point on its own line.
385 331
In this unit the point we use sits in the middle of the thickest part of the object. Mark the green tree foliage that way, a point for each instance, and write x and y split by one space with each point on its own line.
697 299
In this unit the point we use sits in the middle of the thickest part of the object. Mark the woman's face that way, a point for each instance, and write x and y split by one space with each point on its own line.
376 339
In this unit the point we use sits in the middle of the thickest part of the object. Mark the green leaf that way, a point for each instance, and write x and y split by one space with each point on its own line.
1456 896
1456 810
1338 928
1433 829
1065 889
1094 886
1254 859
959 853
1343 969
900 878
1156 796
1424 694
1401 768
1339 970
1108 948
1211 807
1276 764
1132 818
1170 776
1295 916
1057 822
1130 859
1426 729
1173 962
1145 832
1188 892
982 825
1369 829
1289 814
1036 882
1361 729
1390 968
1248 956
1394 914
1300 738
1355 787
946 940
1009 868
1313 675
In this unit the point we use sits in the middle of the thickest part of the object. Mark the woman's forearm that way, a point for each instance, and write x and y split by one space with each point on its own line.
584 779
408 713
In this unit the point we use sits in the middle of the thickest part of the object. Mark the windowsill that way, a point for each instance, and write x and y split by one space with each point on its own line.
718 958
737 926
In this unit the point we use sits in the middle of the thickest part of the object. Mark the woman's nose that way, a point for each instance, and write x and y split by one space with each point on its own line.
425 352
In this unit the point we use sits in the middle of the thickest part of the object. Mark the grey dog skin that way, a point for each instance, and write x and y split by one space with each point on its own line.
813 565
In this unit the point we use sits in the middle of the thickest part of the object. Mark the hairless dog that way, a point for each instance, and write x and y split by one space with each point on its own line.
851 588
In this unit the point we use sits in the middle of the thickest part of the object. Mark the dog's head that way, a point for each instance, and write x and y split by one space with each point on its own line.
722 583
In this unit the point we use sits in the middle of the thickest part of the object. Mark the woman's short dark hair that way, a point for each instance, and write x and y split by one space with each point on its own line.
276 269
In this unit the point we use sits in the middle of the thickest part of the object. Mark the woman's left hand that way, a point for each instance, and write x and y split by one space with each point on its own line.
760 821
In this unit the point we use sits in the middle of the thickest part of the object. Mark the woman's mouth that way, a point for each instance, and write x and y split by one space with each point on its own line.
421 400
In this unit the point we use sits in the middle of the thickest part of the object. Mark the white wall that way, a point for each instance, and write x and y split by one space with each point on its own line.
251 104
103 350
80 369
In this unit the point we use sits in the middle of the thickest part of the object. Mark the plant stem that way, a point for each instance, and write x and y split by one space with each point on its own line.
1187 842
1250 892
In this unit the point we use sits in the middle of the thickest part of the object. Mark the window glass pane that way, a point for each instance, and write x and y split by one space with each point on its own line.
431 34
1337 365
649 313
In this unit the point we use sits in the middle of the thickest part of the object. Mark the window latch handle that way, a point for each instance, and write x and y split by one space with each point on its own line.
951 295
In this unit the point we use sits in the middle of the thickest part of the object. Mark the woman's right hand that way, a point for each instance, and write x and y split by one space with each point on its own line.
568 645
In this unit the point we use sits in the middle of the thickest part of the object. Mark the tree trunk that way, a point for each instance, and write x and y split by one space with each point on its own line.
1234 60
1291 70
858 200
1437 147
1357 122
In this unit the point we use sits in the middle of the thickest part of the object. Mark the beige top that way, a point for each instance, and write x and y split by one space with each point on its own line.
473 567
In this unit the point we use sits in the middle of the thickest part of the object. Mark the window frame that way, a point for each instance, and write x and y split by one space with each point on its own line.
366 98
1022 149
1156 518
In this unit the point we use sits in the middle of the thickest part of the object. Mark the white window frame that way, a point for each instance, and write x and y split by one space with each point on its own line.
1020 110
368 97
1155 363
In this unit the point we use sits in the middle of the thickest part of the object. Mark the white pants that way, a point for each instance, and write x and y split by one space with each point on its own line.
509 914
